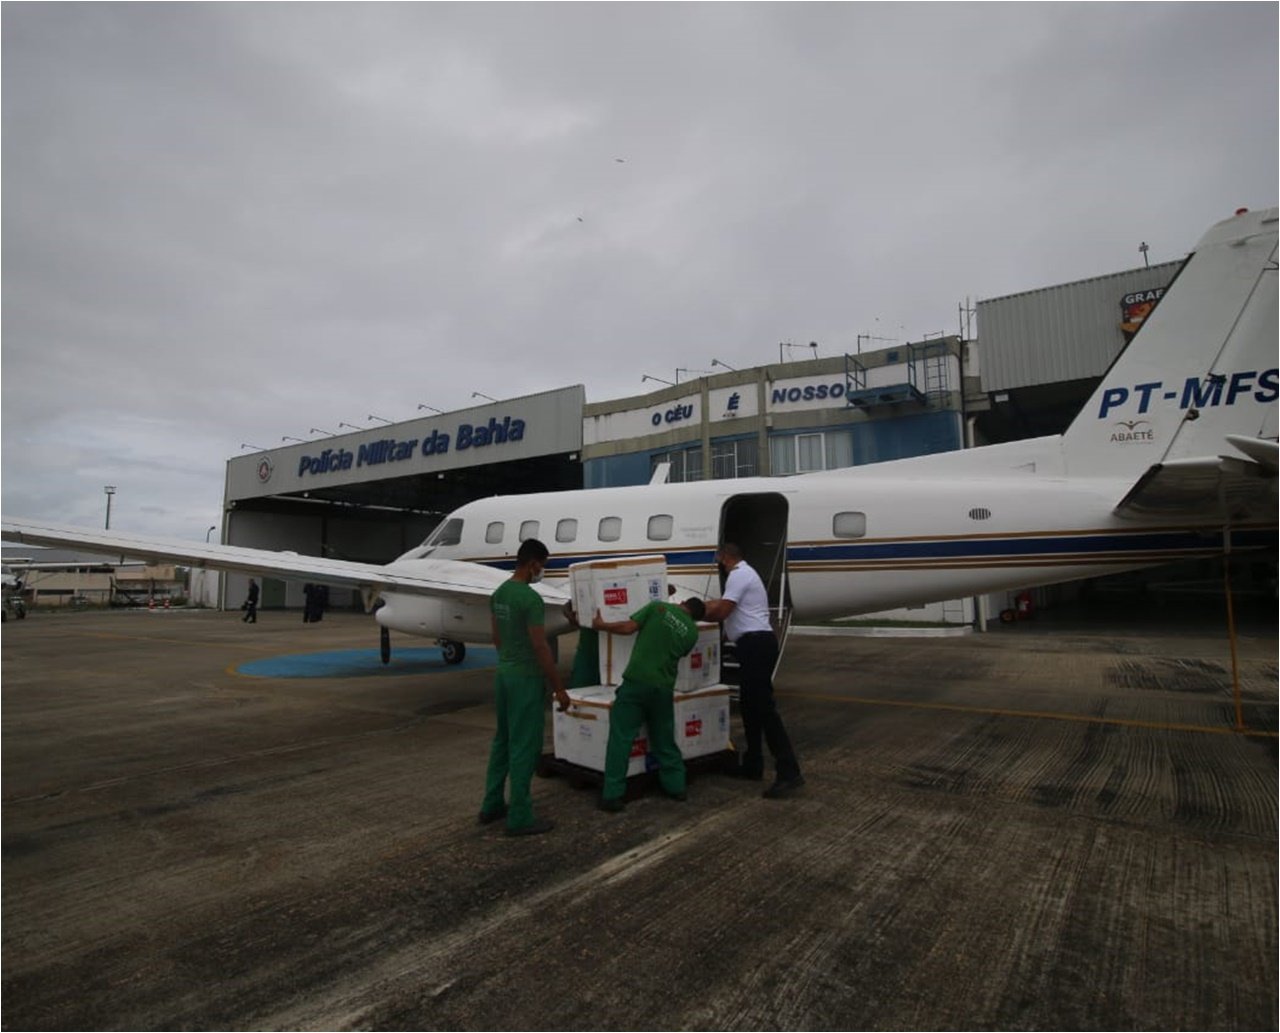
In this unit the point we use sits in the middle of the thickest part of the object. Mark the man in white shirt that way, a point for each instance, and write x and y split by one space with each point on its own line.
744 609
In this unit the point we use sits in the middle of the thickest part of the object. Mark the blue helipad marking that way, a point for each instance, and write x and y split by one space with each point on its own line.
365 663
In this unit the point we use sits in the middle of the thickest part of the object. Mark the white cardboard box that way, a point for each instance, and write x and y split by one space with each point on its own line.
702 721
700 669
615 654
581 734
616 587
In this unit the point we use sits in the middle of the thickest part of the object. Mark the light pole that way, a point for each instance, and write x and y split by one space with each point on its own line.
1144 248
788 344
481 394
658 379
431 407
110 490
371 416
213 528
717 362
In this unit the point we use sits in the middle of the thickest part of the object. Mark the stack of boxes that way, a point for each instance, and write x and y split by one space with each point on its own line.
617 588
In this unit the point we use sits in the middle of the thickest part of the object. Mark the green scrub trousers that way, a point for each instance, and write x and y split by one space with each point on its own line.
517 744
586 660
632 706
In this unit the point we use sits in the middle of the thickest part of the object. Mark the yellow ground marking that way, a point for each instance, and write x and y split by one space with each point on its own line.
1039 715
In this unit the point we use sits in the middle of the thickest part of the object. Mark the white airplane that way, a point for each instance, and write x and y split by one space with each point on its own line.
1173 457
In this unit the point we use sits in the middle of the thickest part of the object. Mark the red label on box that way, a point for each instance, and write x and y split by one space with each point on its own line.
693 728
639 747
695 662
615 596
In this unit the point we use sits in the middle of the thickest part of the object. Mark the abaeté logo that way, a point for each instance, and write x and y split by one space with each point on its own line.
1129 432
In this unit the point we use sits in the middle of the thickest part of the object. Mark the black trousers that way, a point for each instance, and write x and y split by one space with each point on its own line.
757 657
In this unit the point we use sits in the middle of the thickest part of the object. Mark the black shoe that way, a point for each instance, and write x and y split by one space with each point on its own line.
679 797
783 787
539 826
612 804
489 817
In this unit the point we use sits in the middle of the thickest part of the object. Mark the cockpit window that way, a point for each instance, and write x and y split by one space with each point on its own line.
448 533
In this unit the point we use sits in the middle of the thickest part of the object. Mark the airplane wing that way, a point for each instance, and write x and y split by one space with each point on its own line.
451 578
1216 488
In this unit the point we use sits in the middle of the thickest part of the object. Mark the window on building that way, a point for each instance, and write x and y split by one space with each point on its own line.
610 529
686 464
494 532
811 451
660 527
734 459
567 530
849 525
529 529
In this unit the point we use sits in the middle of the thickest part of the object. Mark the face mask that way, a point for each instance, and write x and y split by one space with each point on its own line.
536 577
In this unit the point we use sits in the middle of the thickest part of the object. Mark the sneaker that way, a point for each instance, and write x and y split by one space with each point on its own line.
535 828
489 817
783 787
612 804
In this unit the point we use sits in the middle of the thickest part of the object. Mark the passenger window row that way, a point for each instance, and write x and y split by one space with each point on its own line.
608 530
660 529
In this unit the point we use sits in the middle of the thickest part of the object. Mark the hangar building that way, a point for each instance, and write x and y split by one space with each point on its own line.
371 495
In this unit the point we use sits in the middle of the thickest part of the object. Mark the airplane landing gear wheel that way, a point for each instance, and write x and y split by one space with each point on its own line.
386 645
454 652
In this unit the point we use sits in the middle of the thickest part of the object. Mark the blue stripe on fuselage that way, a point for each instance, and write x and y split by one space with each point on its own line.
1092 543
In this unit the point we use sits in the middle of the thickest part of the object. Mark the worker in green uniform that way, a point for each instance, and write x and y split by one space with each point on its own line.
586 658
666 632
525 666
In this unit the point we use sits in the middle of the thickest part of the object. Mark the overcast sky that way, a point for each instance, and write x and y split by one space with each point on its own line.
231 223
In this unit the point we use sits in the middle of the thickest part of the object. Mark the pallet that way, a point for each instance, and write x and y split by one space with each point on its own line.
550 766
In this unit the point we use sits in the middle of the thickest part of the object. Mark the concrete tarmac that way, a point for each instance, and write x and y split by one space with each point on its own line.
1032 829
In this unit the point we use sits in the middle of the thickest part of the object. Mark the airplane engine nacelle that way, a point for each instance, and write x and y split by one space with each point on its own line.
441 618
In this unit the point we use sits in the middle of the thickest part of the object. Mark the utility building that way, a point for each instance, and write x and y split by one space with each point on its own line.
371 495
1044 351
777 420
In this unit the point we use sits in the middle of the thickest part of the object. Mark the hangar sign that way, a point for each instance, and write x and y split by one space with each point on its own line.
1135 307
395 450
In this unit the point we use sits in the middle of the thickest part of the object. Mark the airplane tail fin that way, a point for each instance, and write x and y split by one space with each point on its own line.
1202 367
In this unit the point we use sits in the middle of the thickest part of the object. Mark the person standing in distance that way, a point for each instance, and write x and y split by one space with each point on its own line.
525 666
744 610
667 632
251 604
